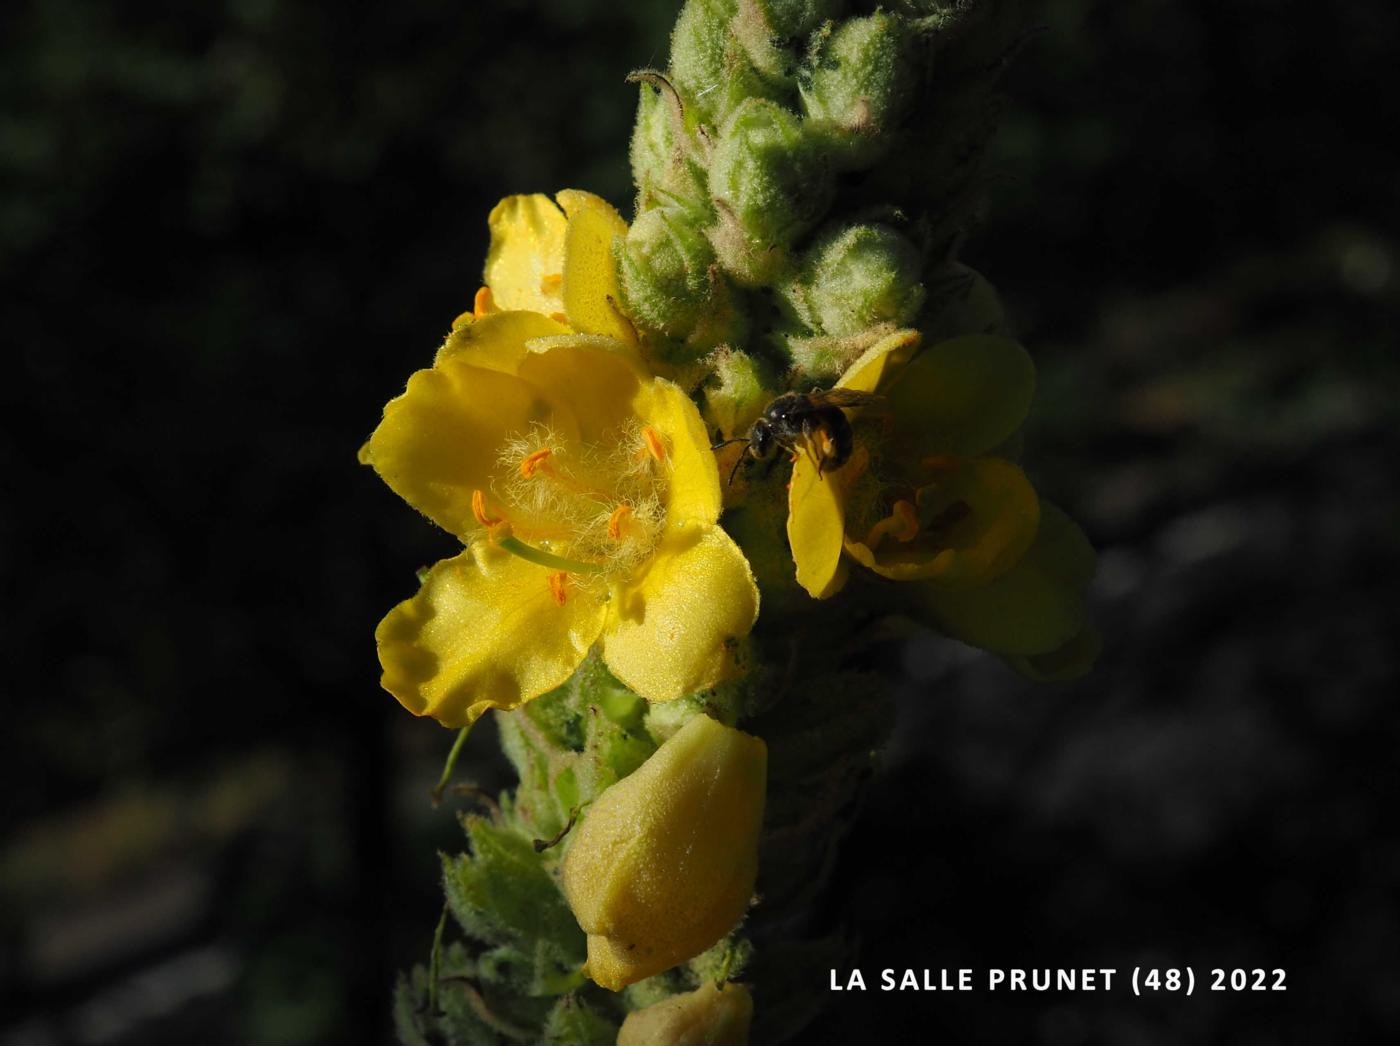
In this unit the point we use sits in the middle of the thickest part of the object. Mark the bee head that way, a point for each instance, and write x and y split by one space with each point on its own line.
761 441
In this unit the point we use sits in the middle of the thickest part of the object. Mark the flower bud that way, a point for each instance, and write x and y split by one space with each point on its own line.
774 32
859 87
856 277
708 1016
663 266
771 183
710 66
664 862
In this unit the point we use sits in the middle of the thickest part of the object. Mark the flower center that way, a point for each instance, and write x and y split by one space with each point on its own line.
586 510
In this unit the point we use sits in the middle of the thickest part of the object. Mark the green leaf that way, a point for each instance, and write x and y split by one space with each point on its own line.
572 1022
501 893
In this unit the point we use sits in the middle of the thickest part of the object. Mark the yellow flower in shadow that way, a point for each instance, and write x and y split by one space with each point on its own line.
927 497
583 487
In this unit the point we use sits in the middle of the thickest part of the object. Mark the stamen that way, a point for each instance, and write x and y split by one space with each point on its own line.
618 520
654 446
902 524
551 283
558 587
534 462
559 317
479 510
484 302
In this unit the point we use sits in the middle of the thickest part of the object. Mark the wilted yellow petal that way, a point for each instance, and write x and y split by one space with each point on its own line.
590 288
440 439
664 862
694 492
526 256
962 396
991 513
678 629
708 1016
484 631
1035 607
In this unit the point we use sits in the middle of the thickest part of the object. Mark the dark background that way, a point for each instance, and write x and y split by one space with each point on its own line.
229 231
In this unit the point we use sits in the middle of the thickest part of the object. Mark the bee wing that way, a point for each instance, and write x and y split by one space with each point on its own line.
846 398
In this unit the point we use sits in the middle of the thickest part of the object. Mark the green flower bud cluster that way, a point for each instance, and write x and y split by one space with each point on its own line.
805 170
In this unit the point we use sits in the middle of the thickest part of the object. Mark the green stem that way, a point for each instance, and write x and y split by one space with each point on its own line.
435 961
450 765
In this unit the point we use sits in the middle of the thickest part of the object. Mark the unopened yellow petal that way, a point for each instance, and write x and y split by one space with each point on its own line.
1035 607
663 864
526 257
440 440
961 396
590 288
498 340
694 477
709 1016
678 630
484 631
976 520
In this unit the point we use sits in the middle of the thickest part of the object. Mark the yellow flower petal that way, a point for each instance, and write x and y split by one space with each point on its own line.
695 495
526 257
485 630
590 289
439 441
498 340
816 525
678 629
962 396
886 356
991 513
1035 607
584 371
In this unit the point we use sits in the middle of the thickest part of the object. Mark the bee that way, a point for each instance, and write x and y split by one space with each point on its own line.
811 421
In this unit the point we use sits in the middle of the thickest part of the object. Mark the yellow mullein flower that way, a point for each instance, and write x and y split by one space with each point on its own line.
926 499
583 487
664 862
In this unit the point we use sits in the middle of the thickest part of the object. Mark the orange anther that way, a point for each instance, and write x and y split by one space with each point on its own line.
655 447
559 317
618 520
906 518
484 302
902 524
534 462
479 510
558 587
551 283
